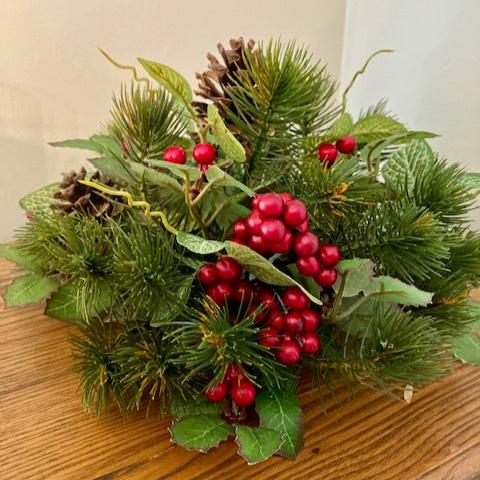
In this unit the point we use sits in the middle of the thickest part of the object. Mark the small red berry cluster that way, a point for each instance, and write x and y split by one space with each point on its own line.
278 223
328 152
294 330
242 391
203 153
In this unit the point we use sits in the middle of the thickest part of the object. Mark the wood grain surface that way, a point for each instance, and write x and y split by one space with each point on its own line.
45 434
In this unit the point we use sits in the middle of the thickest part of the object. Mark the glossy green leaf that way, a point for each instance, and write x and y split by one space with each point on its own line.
28 290
257 443
279 410
40 200
169 79
200 432
223 179
393 290
262 269
12 254
197 244
232 148
466 348
359 272
199 405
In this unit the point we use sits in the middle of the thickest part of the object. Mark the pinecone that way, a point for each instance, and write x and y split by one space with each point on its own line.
212 83
75 196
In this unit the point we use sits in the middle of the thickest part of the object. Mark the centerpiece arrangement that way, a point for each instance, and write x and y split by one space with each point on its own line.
217 250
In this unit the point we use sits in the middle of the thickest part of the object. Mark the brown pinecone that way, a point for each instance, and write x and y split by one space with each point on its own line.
212 83
75 196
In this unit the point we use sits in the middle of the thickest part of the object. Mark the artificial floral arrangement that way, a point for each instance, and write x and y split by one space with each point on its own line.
219 250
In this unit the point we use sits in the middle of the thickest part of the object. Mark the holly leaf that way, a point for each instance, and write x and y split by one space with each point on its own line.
376 127
358 271
403 166
66 303
199 405
11 253
279 410
263 269
393 290
40 200
28 290
257 443
223 179
232 148
342 127
170 79
200 432
197 244
466 348
177 169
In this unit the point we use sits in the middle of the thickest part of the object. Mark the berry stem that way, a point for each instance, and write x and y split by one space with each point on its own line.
338 298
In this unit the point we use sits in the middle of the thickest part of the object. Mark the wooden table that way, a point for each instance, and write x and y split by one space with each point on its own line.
45 434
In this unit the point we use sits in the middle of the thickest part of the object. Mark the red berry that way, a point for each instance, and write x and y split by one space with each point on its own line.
306 244
311 343
220 293
266 296
254 221
255 200
272 230
329 255
311 320
327 153
257 243
175 155
289 353
234 373
270 205
207 275
240 241
286 336
308 266
228 269
295 213
294 322
243 393
295 299
204 153
218 392
286 197
242 291
346 144
276 319
269 337
326 277
303 227
284 245
240 229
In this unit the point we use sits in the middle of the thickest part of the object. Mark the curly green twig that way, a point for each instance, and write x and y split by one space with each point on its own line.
124 67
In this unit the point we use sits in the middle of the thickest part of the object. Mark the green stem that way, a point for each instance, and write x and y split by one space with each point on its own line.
204 191
338 298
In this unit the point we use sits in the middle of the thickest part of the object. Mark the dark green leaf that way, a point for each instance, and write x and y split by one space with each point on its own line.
197 244
185 407
342 127
177 169
232 148
113 168
263 269
28 290
200 432
279 410
257 443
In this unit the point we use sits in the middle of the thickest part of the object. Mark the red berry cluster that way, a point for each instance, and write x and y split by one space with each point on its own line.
293 331
203 153
241 389
278 223
327 152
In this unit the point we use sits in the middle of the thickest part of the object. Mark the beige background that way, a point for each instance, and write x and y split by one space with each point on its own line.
55 85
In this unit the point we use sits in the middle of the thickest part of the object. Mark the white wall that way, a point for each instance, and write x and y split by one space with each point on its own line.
432 79
55 85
